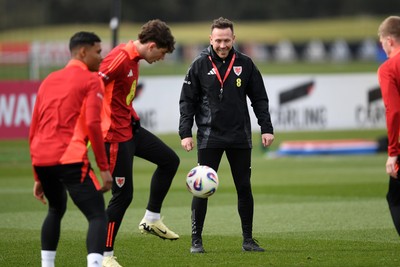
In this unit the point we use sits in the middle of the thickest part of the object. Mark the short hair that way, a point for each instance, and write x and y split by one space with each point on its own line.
222 23
158 32
390 27
83 38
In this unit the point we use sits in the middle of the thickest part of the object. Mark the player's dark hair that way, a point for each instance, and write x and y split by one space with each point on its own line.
158 32
222 23
83 38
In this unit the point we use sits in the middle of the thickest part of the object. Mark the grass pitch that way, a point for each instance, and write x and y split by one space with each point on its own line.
309 211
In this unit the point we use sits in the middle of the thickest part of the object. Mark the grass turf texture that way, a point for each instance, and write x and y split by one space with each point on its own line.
309 211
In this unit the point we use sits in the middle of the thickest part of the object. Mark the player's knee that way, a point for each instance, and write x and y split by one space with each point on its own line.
57 211
172 162
98 216
244 191
126 200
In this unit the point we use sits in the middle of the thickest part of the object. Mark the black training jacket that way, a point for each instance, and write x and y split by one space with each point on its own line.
223 122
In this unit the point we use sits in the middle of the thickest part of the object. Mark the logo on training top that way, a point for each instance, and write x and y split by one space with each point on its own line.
130 74
211 72
237 70
120 181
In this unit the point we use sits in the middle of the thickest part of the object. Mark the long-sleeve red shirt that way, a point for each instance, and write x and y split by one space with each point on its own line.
66 116
389 80
119 71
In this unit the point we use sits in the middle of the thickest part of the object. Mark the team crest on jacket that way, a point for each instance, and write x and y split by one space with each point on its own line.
120 181
237 70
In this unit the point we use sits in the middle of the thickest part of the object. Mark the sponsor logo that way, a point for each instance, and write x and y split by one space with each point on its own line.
130 74
288 115
99 95
161 231
373 111
103 75
120 181
296 92
211 72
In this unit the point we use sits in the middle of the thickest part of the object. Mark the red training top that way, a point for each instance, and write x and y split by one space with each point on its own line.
66 115
120 71
389 80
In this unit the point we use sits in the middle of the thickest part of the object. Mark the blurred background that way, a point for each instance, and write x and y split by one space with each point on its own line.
34 34
290 38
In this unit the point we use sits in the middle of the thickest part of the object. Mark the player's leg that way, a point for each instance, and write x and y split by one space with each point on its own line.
393 199
240 163
90 201
121 162
151 148
56 195
212 158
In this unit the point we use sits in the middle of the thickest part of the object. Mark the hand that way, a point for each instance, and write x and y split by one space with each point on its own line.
392 167
38 192
107 181
267 139
187 143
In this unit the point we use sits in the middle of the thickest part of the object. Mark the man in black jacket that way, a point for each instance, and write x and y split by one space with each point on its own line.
214 93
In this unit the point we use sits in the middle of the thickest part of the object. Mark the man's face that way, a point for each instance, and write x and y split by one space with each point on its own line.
93 56
222 41
154 53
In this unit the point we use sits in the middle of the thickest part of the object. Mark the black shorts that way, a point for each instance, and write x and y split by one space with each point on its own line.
78 178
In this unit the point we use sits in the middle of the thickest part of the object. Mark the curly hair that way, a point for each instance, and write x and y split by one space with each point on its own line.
158 32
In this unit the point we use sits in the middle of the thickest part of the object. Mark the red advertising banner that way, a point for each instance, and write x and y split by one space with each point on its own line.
17 99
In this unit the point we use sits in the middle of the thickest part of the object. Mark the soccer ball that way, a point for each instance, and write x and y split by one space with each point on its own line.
202 181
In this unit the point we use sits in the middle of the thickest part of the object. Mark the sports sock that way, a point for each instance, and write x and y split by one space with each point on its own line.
108 253
152 216
94 260
48 258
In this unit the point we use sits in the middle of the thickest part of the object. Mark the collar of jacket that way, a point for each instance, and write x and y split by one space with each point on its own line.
215 57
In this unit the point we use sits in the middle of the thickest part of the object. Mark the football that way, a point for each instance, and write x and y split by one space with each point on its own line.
202 181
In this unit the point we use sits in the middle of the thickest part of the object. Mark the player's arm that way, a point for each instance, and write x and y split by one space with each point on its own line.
188 102
93 120
259 101
391 98
32 130
38 192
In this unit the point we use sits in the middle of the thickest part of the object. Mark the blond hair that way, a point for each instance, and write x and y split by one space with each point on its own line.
390 27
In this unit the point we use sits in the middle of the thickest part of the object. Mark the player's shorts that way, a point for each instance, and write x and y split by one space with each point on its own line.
78 178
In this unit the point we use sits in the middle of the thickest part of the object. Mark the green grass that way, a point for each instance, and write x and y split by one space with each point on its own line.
309 211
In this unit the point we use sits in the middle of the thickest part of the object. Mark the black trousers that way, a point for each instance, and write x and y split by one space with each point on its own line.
147 146
240 164
77 179
393 199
